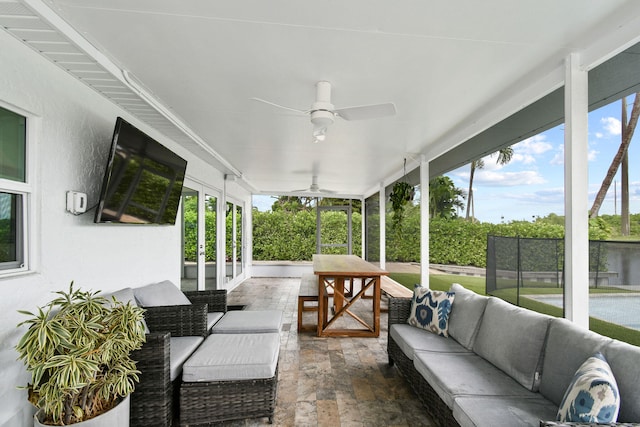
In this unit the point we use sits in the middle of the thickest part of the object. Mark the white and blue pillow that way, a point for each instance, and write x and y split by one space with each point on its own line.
593 394
430 310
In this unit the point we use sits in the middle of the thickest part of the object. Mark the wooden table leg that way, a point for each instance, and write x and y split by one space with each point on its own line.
321 306
376 306
338 293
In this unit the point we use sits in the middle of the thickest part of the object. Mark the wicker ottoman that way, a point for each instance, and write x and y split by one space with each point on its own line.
230 377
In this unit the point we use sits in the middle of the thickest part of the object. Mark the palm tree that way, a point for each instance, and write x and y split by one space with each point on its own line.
444 197
627 133
504 156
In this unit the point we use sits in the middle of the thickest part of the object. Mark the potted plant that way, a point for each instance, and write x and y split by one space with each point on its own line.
401 194
77 349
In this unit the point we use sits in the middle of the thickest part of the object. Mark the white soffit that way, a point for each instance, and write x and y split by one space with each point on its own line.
36 32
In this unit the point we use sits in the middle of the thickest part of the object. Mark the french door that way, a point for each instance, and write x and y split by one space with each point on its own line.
235 238
200 211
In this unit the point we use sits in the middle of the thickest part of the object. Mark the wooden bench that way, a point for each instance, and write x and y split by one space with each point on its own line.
393 289
308 293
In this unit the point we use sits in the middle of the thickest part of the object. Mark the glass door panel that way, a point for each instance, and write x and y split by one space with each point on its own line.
230 242
239 241
210 241
189 271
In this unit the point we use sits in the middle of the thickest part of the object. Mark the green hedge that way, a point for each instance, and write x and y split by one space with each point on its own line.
291 236
282 235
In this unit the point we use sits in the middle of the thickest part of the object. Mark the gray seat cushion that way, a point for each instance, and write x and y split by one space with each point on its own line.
160 294
483 411
512 338
249 322
623 359
466 314
213 317
568 346
463 374
411 339
181 349
228 357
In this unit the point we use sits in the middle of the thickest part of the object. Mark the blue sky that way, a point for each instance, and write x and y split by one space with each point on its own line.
532 184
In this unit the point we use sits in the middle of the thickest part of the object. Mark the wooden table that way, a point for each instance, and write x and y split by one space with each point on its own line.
332 271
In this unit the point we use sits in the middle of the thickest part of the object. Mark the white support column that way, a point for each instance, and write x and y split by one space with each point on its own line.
576 182
383 229
424 221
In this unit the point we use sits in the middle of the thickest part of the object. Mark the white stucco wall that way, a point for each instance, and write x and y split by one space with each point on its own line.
72 140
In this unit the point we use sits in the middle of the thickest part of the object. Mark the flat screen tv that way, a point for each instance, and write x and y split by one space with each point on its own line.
142 182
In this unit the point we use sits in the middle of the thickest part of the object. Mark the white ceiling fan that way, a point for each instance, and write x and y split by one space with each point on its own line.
314 188
323 112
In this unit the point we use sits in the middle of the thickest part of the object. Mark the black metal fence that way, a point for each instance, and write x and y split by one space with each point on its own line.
535 268
515 262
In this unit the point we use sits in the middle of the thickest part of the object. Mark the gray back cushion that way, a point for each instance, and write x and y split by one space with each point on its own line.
568 346
512 338
125 295
160 294
466 313
624 360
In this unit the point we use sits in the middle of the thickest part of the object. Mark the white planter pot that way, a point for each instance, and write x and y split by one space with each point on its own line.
116 417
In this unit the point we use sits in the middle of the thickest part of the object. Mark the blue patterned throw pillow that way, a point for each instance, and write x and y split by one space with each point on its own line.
593 395
430 310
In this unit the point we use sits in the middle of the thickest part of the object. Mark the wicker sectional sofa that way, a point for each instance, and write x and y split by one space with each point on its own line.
502 364
175 332
180 331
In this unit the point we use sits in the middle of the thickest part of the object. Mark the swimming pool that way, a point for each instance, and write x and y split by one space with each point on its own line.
621 309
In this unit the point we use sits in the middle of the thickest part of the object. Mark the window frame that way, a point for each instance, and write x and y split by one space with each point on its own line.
24 189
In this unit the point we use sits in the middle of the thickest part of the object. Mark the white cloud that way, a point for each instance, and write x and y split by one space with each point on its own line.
527 151
508 179
611 125
548 195
525 159
534 146
558 158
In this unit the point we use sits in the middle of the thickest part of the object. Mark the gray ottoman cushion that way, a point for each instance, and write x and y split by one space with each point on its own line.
568 346
181 349
466 313
504 410
411 339
249 322
160 294
227 357
512 338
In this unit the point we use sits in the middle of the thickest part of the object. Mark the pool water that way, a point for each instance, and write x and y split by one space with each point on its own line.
621 309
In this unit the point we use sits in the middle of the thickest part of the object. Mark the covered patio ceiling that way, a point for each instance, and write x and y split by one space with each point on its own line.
452 69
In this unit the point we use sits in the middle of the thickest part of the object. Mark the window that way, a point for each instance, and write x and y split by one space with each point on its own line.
14 192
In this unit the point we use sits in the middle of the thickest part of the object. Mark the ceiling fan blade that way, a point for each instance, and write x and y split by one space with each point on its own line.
278 105
324 190
367 111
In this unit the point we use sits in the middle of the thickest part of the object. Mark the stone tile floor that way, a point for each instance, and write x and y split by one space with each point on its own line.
329 381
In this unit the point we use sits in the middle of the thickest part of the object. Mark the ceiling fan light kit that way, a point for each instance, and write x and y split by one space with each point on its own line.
319 134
